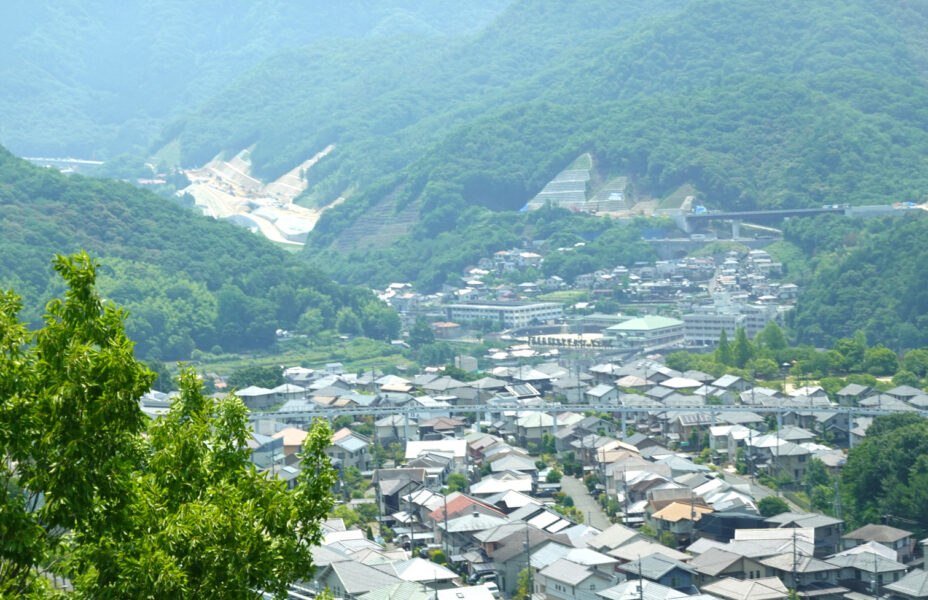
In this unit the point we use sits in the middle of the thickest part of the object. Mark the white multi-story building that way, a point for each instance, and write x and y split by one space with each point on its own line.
508 314
705 326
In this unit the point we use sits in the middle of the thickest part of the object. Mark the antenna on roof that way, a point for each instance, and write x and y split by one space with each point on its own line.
640 581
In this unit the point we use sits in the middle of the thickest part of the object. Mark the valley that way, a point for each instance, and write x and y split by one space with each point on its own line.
484 300
226 190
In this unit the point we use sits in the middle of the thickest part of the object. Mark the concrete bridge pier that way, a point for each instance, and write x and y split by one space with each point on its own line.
736 229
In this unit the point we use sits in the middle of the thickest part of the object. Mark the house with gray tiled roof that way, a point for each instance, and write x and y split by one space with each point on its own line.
767 588
393 428
423 571
505 547
807 575
602 394
716 563
899 541
567 580
613 537
640 589
661 569
827 530
913 586
864 571
852 393
350 580
402 590
904 392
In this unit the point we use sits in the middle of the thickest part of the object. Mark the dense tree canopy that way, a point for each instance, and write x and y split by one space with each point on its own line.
886 476
179 512
754 103
188 281
92 79
867 275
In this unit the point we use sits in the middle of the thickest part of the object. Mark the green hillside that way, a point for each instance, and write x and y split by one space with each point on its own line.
756 104
93 78
400 97
188 281
866 275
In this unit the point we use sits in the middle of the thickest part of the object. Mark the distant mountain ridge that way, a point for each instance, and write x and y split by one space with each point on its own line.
786 104
756 104
93 78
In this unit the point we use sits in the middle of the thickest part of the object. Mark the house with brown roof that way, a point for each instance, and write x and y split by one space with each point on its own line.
456 504
679 518
293 439
441 427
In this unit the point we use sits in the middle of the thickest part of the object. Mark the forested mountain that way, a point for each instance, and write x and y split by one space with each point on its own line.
96 77
188 281
440 113
758 104
863 275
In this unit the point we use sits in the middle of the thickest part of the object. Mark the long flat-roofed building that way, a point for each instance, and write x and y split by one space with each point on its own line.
508 314
646 333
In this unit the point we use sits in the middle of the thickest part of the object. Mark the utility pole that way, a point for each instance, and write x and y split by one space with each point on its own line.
837 503
528 561
444 539
625 489
777 470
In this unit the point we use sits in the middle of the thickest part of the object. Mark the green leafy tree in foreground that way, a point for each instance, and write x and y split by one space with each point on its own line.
178 513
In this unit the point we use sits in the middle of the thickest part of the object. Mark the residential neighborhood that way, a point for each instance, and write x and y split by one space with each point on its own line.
457 487
684 302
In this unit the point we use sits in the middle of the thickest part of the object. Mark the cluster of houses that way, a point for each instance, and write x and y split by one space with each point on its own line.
708 296
638 431
504 527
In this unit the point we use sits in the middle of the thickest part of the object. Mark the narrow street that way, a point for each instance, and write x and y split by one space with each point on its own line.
592 513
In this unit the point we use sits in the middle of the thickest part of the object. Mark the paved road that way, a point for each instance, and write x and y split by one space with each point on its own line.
592 513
